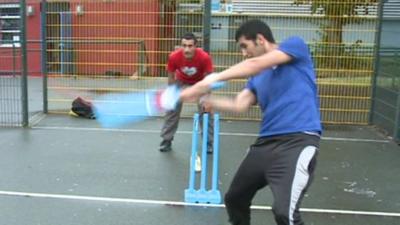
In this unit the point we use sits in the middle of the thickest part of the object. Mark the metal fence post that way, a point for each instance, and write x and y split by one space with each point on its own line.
44 55
207 25
378 35
397 120
24 64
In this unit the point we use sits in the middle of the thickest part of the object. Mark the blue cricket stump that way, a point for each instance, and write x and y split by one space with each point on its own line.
202 195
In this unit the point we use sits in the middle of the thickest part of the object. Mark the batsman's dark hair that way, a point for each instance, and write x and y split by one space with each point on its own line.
190 36
251 28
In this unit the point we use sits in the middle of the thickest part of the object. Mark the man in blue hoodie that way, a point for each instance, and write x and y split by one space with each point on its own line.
283 83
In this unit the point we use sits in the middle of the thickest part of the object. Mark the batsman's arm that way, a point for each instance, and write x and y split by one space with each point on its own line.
240 103
171 78
252 66
246 68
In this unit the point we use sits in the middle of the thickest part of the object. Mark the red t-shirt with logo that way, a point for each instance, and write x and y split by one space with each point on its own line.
190 71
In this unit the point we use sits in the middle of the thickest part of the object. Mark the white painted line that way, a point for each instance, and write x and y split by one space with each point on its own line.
190 132
355 140
103 199
177 203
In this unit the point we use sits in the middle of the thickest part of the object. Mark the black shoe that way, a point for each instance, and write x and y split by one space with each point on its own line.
165 146
210 149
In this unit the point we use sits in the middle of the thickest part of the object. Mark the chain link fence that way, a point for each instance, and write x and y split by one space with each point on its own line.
386 105
94 47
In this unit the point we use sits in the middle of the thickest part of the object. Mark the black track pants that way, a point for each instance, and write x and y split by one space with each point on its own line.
286 163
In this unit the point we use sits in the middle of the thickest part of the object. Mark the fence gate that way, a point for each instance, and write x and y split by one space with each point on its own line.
13 82
386 102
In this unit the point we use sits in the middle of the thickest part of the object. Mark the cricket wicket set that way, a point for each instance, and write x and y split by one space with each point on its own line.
204 195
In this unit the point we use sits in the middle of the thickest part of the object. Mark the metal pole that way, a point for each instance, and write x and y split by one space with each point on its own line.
24 74
397 119
215 171
377 61
62 43
207 25
14 59
195 134
44 55
203 176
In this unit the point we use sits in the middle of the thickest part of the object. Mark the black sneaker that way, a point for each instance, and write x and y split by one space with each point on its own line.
210 149
165 146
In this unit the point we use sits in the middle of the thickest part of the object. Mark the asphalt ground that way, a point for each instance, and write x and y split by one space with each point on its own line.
65 170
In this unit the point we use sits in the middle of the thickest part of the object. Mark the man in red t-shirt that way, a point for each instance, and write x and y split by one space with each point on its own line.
186 66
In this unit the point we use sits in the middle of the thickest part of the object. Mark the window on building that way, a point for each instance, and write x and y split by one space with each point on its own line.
9 25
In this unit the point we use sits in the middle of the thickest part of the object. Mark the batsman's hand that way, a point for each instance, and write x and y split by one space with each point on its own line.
206 105
171 81
193 93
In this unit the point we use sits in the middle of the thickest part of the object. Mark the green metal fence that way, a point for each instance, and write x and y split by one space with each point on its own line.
94 47
386 110
344 65
386 99
11 90
13 76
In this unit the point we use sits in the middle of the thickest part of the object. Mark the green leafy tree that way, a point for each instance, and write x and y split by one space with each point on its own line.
336 14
